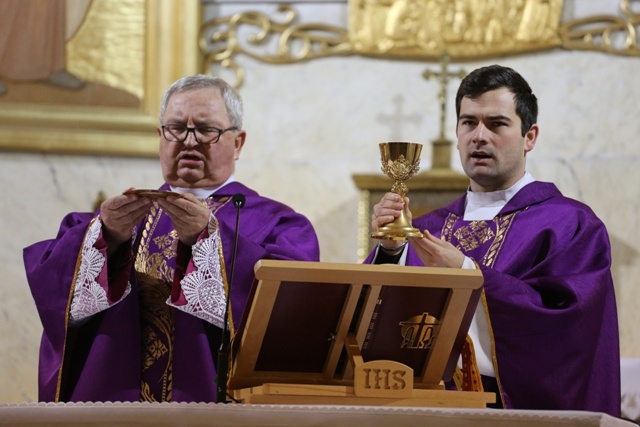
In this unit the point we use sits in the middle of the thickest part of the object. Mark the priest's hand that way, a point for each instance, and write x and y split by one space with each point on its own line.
119 214
435 252
189 216
387 210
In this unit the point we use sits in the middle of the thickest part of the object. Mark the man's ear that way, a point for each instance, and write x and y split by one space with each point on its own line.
239 143
531 137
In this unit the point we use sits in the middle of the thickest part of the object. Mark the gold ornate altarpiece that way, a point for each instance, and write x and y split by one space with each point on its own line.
417 30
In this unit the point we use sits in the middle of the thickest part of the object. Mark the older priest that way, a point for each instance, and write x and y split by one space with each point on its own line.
132 298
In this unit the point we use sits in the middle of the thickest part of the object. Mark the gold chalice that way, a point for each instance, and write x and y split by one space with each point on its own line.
400 161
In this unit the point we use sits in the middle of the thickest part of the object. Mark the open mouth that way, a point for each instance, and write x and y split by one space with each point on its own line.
189 157
480 155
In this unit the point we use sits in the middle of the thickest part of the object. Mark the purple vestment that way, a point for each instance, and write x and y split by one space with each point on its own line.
550 298
101 359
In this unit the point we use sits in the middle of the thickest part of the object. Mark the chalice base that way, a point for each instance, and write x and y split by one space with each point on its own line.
399 229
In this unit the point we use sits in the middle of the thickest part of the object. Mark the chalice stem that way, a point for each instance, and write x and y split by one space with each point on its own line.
402 221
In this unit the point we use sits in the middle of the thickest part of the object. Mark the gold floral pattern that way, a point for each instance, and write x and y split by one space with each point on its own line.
473 235
477 233
154 277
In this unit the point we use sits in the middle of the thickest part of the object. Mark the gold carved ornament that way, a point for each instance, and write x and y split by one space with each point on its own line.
400 170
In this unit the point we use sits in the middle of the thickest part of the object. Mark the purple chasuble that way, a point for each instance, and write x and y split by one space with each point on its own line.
102 359
549 295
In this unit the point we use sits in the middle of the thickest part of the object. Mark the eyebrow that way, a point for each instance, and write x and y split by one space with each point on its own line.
197 123
493 117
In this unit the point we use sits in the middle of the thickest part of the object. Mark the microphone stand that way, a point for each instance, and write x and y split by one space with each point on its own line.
222 367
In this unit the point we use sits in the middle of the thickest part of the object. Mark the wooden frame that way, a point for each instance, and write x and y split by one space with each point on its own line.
321 312
171 44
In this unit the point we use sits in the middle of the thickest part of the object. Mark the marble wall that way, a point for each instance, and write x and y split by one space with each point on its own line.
312 125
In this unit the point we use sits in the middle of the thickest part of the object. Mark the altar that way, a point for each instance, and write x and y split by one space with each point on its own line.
218 414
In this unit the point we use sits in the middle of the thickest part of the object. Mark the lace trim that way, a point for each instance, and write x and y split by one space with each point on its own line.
89 297
204 288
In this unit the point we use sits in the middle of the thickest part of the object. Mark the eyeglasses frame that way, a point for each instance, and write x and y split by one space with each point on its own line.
215 140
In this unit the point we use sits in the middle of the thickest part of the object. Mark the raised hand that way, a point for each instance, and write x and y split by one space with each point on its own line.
119 214
189 216
388 209
435 252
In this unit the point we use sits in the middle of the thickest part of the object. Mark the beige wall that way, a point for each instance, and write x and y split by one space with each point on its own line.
312 125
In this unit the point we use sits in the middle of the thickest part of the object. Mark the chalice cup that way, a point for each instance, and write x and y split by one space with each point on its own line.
400 161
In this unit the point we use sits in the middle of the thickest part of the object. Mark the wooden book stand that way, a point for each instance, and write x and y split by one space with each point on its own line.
354 334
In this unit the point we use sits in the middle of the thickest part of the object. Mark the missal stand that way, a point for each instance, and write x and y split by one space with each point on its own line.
354 334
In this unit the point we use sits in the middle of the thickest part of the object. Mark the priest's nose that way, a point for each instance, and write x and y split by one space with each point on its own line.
478 133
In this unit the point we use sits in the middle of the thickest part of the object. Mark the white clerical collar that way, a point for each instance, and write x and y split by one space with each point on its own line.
203 192
486 205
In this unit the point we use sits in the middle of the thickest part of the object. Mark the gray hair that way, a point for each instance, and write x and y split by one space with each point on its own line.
232 99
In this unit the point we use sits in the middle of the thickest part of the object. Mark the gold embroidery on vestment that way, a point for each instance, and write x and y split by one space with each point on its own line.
447 228
503 223
154 278
473 235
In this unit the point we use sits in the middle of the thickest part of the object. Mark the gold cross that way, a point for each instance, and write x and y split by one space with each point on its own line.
443 77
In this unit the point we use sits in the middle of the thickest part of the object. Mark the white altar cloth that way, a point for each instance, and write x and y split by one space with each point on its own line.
212 414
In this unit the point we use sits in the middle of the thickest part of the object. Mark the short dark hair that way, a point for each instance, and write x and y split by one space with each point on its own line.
493 77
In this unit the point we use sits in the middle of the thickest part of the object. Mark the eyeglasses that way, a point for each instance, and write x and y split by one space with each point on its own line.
203 135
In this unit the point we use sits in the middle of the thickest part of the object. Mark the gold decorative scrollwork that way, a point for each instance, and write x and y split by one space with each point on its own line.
220 41
610 34
418 30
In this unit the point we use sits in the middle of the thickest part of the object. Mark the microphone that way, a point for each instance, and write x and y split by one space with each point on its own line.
238 200
222 367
